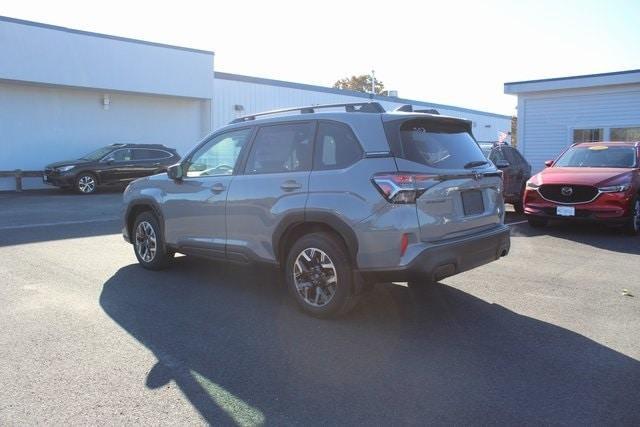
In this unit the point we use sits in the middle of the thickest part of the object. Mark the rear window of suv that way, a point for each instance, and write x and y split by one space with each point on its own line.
435 143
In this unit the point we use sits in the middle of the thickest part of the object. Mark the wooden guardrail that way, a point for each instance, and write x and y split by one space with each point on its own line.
18 174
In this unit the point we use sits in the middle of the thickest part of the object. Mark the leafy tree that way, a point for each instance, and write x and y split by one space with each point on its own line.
360 83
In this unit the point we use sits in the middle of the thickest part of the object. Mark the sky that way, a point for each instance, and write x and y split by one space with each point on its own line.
449 52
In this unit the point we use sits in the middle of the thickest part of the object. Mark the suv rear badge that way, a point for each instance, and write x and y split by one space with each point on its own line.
566 191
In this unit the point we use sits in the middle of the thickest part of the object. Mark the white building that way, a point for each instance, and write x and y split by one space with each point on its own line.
238 95
65 92
554 113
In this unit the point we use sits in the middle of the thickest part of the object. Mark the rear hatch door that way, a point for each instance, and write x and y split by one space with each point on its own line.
462 190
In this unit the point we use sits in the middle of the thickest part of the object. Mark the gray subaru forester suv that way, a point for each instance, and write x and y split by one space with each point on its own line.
338 197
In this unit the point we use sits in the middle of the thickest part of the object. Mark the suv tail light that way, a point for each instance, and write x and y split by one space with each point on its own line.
401 187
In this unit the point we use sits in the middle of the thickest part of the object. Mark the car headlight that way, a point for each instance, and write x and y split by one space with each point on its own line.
65 168
614 188
532 185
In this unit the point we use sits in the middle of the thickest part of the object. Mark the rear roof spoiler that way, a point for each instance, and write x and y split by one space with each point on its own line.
408 108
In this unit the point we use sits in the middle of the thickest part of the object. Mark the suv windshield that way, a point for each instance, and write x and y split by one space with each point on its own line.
98 154
598 156
437 144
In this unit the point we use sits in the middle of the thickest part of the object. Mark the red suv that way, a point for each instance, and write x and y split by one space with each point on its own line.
596 181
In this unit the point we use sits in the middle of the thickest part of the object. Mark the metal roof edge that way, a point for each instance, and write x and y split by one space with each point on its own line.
584 76
305 86
99 35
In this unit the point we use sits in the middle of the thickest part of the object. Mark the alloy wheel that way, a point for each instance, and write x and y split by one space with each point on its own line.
86 184
146 241
315 277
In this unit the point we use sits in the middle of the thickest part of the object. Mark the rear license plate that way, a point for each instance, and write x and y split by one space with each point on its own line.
566 211
472 202
45 178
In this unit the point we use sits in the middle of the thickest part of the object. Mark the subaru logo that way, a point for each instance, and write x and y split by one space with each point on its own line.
566 191
478 176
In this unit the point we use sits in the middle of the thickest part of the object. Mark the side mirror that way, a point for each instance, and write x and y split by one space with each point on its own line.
502 164
548 163
175 172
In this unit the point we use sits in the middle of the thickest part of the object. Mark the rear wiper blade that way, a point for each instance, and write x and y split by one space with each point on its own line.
475 163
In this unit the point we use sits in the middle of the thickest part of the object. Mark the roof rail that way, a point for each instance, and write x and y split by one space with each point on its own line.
353 107
408 108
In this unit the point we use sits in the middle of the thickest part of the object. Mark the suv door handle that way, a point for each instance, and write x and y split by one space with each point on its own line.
290 185
217 188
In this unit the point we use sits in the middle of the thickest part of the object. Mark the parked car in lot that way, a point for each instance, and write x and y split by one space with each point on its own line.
596 181
114 164
337 200
515 169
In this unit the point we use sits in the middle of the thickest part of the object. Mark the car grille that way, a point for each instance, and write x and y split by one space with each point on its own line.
568 193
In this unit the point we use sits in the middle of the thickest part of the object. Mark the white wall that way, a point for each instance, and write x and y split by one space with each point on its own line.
42 124
546 120
256 97
39 53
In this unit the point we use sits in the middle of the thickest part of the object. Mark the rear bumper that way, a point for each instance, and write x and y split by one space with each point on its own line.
435 262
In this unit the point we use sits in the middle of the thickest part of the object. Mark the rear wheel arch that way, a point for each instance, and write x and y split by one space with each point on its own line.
296 226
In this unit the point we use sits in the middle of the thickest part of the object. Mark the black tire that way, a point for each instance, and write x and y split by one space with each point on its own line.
632 227
344 297
518 206
86 183
537 222
152 260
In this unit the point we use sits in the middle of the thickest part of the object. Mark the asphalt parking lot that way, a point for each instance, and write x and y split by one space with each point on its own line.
543 336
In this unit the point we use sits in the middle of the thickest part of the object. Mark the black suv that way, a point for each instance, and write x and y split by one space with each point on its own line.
515 171
111 165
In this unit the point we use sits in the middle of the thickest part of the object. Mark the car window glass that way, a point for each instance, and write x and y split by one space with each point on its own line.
497 155
281 148
510 155
149 154
123 155
436 144
336 147
219 155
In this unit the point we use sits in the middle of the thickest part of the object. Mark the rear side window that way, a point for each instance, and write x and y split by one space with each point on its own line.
434 143
122 155
336 147
281 148
148 154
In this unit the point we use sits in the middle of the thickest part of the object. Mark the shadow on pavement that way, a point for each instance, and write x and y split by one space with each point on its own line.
46 215
241 352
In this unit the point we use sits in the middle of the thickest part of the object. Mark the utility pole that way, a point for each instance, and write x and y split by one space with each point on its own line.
373 82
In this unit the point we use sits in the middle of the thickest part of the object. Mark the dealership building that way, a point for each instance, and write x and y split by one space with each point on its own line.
66 92
555 113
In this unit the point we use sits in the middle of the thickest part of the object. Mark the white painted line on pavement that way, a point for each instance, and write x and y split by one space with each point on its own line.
53 224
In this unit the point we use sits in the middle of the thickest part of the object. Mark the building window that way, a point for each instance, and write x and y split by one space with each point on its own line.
625 134
587 135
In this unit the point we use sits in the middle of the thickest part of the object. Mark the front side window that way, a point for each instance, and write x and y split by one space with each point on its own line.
98 154
336 147
281 148
439 145
625 134
219 155
598 156
588 135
